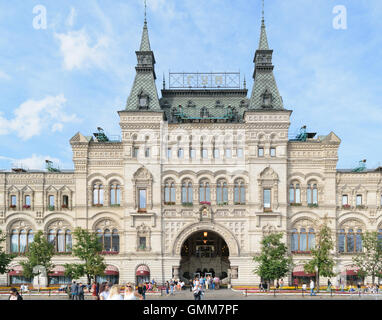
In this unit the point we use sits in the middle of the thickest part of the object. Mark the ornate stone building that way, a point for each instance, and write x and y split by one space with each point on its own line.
199 176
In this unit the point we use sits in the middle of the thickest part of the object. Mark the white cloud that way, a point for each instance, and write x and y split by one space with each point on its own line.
70 19
4 75
35 162
78 52
32 116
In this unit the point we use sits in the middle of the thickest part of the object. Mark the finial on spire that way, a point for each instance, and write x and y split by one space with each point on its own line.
145 12
245 83
262 13
164 82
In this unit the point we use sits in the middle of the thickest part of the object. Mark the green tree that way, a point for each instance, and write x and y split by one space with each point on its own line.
87 248
369 261
39 253
322 262
5 258
274 262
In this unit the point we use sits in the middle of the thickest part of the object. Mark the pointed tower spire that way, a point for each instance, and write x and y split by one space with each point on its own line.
144 95
265 94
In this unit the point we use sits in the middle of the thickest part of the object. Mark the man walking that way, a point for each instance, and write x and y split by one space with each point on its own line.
312 293
81 293
74 290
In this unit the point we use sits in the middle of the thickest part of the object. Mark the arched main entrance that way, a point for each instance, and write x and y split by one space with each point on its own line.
204 252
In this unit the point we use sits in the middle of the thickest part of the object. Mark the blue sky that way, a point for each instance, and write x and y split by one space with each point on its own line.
77 73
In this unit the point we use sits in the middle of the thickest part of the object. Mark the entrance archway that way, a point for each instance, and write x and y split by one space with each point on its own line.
204 253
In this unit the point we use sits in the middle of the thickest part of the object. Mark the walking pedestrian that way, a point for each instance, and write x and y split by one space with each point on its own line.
74 290
312 293
190 283
167 288
197 292
295 282
14 295
131 294
93 290
81 292
281 284
329 285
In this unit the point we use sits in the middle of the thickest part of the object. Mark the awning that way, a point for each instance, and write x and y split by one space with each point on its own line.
143 270
111 271
299 271
350 271
58 271
16 271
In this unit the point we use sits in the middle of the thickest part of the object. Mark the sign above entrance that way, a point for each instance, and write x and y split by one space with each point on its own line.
204 80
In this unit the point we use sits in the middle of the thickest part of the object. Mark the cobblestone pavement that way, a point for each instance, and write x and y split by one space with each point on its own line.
226 294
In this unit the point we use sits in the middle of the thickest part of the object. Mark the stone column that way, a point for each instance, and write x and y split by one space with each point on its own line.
176 272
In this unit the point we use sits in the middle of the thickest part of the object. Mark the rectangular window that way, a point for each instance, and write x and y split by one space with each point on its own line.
192 154
273 152
147 152
13 200
344 199
135 152
228 153
180 153
142 199
51 201
267 199
169 153
359 200
260 152
204 154
142 243
216 153
27 200
240 153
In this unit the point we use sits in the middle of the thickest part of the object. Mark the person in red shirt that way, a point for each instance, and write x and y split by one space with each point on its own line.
94 291
295 282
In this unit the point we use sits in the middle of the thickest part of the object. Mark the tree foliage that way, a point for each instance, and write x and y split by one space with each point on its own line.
87 248
369 261
5 258
39 253
322 262
274 262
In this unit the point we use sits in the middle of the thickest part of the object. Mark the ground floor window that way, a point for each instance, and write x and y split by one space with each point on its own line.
59 280
303 279
19 280
352 280
143 279
114 279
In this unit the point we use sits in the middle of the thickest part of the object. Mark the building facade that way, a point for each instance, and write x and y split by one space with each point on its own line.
198 177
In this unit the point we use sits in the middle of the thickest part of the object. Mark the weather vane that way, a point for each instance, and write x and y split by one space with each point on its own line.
263 10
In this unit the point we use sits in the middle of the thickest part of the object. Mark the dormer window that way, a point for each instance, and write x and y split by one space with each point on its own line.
267 99
203 112
143 101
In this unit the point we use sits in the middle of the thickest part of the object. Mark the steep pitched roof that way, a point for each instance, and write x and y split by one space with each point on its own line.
144 82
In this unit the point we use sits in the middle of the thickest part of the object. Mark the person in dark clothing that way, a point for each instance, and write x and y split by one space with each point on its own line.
14 295
190 282
81 293
74 290
142 290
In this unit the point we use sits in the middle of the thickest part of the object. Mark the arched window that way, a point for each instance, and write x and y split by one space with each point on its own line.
115 241
115 194
20 240
98 194
109 240
358 241
169 192
341 241
187 192
204 192
65 201
61 240
311 239
350 240
68 241
312 194
302 240
294 193
222 192
14 241
294 240
239 192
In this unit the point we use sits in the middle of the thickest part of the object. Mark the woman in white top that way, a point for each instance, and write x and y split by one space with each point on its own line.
131 294
115 293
